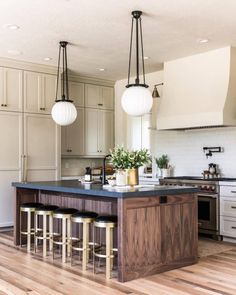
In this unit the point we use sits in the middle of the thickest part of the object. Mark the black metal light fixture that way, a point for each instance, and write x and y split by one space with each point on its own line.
137 99
155 93
63 112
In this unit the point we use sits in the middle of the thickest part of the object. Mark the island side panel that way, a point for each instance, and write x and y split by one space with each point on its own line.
156 234
22 196
139 237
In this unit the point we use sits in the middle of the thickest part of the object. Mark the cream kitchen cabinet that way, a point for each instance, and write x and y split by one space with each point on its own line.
228 210
11 89
72 136
11 149
39 92
99 97
99 135
41 148
76 93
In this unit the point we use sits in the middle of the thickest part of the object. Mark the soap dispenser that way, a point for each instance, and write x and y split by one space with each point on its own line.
88 175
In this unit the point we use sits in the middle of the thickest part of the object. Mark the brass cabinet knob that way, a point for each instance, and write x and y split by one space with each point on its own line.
3 105
42 109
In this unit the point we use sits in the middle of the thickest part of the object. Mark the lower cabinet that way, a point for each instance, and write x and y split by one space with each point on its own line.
99 132
228 211
72 136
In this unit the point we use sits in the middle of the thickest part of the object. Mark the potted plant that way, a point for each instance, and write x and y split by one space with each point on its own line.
163 165
127 163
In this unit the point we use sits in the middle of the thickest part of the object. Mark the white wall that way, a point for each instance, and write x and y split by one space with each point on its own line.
184 148
76 167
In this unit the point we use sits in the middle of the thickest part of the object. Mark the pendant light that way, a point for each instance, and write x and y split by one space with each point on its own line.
137 99
63 112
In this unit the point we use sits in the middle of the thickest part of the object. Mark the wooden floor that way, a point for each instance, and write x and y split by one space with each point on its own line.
21 273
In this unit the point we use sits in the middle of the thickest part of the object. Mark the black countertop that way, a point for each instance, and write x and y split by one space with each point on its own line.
75 187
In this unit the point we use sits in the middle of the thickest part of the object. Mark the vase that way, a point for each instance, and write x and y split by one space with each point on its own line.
121 177
133 178
165 172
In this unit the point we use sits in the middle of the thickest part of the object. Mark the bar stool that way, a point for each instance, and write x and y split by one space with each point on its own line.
45 233
28 208
86 218
108 222
63 239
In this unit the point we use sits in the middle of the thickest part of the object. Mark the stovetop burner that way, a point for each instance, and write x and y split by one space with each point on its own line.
201 178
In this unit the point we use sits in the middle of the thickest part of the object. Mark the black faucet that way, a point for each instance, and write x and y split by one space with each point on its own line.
104 181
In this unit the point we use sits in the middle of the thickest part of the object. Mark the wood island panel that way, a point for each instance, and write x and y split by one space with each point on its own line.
154 234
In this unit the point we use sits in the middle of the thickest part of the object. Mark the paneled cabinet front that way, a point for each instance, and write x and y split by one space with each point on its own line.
98 132
99 97
39 92
72 136
11 89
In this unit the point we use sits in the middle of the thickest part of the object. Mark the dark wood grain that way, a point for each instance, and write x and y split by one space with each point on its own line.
154 237
154 234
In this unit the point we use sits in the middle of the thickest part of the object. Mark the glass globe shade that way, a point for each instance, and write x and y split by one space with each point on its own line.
64 113
136 101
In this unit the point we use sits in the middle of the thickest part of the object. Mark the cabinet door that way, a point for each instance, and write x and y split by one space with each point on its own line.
32 92
49 93
106 131
73 136
10 89
92 96
91 132
106 98
76 93
10 162
41 146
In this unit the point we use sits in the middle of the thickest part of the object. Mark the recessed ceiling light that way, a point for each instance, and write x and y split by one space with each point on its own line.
146 57
47 58
11 26
203 40
14 52
101 69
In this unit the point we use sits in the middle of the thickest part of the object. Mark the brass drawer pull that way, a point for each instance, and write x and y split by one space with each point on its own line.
233 207
69 151
100 104
233 227
42 109
234 192
3 105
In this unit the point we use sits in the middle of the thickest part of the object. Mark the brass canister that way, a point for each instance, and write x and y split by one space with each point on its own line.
133 176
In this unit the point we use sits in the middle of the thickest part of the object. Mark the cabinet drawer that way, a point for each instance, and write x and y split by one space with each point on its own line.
228 191
228 207
228 226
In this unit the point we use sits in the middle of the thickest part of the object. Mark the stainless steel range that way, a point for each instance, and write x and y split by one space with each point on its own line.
208 201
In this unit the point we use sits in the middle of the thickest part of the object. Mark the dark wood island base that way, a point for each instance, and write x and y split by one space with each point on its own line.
155 233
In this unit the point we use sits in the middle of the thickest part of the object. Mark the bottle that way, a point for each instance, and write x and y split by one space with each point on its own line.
88 175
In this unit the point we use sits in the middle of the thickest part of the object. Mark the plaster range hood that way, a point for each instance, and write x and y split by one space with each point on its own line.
199 91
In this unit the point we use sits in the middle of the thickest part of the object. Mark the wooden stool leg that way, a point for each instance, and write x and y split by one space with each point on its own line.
44 235
93 249
108 253
50 232
85 242
29 231
64 240
20 228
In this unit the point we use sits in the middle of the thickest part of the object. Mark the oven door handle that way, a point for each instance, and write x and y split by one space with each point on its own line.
208 196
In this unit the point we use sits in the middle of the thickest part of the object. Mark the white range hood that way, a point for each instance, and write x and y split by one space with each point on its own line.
199 91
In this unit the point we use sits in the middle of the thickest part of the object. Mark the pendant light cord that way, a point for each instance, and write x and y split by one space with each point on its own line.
58 71
130 49
137 53
63 73
141 38
67 86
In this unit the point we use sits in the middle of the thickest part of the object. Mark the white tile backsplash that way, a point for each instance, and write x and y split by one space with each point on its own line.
76 167
185 152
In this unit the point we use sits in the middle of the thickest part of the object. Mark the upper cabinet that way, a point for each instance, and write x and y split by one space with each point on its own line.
39 92
76 93
10 89
99 97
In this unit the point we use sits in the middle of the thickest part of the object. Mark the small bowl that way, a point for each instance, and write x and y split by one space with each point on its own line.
111 182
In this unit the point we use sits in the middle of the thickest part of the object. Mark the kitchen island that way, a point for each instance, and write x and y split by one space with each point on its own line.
157 226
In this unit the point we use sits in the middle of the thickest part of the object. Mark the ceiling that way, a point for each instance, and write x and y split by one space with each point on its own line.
99 31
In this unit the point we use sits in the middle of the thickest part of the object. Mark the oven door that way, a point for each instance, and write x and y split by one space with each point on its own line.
207 212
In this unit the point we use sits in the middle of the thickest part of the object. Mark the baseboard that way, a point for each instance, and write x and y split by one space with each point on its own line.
230 240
